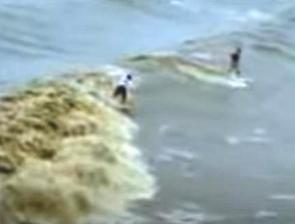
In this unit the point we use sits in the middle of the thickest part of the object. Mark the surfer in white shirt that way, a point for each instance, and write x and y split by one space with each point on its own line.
121 90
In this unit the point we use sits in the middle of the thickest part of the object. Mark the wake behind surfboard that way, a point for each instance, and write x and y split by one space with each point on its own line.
212 75
199 69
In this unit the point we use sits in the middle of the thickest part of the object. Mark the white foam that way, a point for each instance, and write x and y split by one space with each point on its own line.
171 154
176 2
257 139
265 214
179 216
232 140
235 83
253 14
114 70
181 154
164 158
259 131
202 55
258 15
284 197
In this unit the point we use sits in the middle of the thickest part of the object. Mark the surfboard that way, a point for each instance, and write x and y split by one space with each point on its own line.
239 81
126 108
213 75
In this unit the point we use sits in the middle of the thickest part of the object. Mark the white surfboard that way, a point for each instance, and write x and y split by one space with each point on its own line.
223 80
213 76
239 81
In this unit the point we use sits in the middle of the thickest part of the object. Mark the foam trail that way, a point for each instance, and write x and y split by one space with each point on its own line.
66 154
192 67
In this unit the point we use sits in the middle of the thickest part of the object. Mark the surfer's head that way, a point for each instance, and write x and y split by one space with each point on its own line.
129 77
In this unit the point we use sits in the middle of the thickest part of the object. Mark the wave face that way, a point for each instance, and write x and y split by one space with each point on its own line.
66 155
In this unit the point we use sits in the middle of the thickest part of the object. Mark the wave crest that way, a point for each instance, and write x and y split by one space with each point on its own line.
66 154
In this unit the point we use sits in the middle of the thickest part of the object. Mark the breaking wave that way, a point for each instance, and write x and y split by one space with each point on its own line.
66 154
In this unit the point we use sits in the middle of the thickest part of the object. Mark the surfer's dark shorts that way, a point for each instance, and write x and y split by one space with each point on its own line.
121 91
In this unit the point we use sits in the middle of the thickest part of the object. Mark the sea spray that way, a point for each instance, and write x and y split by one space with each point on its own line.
66 154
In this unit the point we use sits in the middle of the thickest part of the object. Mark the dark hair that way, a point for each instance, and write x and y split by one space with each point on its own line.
129 76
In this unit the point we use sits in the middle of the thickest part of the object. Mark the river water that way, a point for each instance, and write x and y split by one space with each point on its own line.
219 154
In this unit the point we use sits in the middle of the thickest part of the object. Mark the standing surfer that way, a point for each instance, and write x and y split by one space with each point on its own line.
235 61
121 89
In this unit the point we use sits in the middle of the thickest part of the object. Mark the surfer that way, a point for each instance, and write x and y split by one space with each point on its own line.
235 61
121 89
